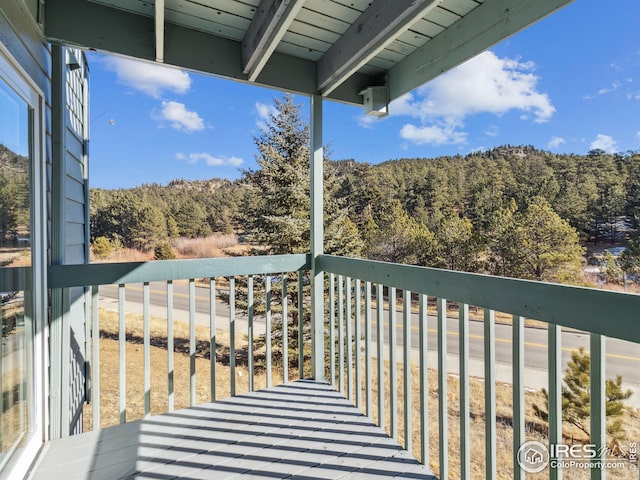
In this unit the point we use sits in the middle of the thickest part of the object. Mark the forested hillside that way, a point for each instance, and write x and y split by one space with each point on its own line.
14 195
513 210
456 212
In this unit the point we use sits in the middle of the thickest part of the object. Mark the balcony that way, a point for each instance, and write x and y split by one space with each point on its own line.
369 412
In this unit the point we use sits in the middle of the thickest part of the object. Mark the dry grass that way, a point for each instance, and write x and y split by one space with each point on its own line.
134 355
535 429
205 247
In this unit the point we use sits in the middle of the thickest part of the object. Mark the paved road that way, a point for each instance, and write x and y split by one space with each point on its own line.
622 357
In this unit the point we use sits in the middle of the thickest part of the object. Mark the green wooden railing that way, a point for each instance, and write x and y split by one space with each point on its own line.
168 272
600 313
353 286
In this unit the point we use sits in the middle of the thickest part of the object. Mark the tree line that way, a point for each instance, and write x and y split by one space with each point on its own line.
14 195
512 210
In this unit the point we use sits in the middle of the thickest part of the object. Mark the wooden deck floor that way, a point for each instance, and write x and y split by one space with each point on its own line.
302 430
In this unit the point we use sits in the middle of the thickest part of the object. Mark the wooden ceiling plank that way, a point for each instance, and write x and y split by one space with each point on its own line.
484 26
269 24
376 28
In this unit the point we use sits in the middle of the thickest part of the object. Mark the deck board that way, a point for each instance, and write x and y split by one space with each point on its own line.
303 430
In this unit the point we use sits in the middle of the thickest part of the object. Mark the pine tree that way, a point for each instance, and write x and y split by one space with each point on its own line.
576 397
276 213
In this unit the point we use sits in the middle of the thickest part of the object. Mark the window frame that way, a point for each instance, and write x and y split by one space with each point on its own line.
17 79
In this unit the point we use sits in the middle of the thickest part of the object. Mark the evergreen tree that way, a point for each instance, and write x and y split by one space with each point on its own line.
611 272
576 398
547 247
163 251
276 210
276 213
459 245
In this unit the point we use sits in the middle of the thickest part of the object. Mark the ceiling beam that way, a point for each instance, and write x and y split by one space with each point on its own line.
483 27
159 29
268 26
377 27
91 25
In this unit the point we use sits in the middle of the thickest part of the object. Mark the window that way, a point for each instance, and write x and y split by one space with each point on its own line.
20 268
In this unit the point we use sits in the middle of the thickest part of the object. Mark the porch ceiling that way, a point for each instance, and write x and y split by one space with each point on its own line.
334 48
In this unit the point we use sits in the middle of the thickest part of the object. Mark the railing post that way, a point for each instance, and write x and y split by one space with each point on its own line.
598 417
555 393
317 240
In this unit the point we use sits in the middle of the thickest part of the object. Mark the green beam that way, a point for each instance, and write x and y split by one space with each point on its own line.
61 276
483 27
15 279
92 25
598 311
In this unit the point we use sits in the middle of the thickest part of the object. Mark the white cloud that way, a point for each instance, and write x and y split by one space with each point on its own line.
210 160
366 121
604 142
616 85
432 135
492 131
555 142
179 117
264 112
149 78
484 84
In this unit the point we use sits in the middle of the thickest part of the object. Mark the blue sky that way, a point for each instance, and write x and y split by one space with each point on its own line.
568 84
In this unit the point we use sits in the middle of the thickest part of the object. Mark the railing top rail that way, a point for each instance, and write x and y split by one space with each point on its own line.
64 276
15 278
609 313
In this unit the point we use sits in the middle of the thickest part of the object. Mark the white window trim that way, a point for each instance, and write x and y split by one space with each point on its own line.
17 78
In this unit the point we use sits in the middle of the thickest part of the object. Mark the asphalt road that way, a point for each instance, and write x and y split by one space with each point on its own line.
622 357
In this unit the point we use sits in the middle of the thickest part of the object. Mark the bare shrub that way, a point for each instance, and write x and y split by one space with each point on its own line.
205 247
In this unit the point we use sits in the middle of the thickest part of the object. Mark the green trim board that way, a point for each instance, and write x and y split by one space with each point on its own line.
481 28
62 276
14 279
613 314
117 31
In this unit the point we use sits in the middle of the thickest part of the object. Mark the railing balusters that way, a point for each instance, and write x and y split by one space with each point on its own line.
555 393
250 326
349 339
300 325
122 345
358 346
212 337
465 431
406 345
380 350
147 348
490 393
285 331
424 380
443 409
332 329
598 412
95 354
367 350
192 342
340 335
170 348
232 335
393 363
267 318
518 393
